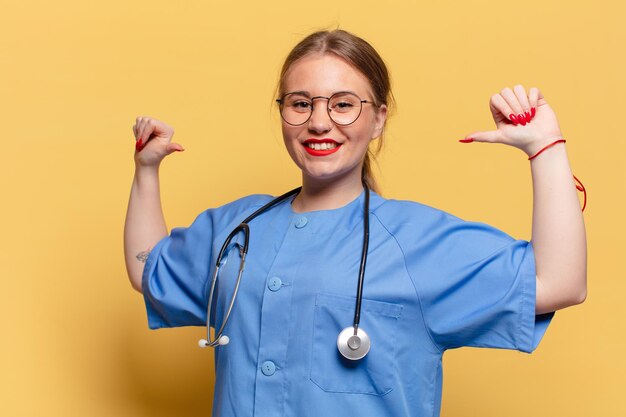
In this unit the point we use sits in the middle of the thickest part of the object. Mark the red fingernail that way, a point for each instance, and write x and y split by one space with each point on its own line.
533 111
522 117
527 114
139 145
468 140
513 119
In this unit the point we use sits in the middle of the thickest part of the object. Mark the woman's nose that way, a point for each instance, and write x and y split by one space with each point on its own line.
320 120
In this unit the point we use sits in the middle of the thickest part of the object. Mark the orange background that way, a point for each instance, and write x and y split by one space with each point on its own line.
74 75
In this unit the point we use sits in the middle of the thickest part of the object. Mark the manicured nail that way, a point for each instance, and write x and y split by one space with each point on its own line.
521 119
513 119
527 114
139 145
468 140
533 111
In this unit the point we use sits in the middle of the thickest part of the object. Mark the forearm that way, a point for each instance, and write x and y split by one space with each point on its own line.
558 233
145 224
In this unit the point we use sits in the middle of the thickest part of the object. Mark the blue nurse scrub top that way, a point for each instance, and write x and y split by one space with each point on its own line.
433 282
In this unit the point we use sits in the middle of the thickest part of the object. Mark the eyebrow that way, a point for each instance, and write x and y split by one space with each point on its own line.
307 94
304 93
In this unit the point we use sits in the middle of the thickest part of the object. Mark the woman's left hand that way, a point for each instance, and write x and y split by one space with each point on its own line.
523 120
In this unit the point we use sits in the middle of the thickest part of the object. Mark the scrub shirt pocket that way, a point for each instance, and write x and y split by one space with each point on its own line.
330 370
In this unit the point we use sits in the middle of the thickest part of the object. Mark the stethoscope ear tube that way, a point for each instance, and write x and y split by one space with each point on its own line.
243 226
219 338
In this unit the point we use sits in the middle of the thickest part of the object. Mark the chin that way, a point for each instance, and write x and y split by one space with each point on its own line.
326 176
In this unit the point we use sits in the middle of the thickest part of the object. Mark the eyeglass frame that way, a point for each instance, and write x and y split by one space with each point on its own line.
328 109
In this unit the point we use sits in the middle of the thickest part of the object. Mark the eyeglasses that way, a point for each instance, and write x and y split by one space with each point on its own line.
343 107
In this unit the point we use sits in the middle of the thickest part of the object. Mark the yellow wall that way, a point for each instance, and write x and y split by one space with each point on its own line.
75 74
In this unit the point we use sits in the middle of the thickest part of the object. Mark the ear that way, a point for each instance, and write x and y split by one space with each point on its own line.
381 118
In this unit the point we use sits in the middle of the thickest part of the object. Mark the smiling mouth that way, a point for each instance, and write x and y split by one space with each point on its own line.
321 147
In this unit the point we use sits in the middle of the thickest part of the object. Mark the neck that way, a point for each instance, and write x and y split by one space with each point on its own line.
326 195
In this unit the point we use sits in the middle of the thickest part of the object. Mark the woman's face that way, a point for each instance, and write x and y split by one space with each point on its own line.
323 75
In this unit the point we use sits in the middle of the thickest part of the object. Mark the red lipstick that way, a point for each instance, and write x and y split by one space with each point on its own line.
321 152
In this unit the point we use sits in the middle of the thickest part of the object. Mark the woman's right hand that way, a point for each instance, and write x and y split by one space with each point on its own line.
153 141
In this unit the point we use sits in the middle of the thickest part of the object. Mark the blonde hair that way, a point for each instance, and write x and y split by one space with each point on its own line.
362 56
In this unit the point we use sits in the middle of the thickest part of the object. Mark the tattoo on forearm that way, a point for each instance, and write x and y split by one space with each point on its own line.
142 256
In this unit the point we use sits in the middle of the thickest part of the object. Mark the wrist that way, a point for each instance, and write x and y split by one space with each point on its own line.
534 148
146 171
545 148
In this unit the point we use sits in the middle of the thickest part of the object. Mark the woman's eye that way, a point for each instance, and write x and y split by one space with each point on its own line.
301 105
343 106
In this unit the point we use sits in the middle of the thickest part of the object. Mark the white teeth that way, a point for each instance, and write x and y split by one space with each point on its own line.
321 146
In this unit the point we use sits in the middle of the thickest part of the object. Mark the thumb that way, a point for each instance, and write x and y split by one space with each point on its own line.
173 147
491 136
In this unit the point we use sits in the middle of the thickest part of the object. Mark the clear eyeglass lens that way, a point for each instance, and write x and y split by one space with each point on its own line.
343 108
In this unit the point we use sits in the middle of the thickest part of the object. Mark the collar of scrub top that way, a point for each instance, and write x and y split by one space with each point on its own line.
353 342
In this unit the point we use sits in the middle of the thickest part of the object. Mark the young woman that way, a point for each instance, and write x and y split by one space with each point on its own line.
348 300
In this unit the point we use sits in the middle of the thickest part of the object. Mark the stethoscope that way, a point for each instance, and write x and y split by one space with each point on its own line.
353 342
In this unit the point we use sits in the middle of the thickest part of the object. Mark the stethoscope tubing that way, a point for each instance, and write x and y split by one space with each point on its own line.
344 341
366 239
218 334
243 226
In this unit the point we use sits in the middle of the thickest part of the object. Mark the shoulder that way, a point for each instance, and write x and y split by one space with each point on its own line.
412 223
224 215
210 223
244 204
402 213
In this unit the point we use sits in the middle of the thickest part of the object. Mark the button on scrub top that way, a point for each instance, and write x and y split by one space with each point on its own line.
433 282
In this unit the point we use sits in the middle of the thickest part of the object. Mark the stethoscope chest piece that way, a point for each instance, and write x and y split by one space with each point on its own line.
353 346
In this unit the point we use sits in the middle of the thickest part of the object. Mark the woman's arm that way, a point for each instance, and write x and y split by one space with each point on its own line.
145 223
558 235
558 231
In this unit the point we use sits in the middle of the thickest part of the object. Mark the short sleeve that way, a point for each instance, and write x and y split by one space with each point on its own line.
478 289
176 273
